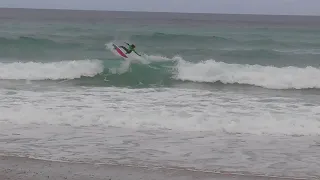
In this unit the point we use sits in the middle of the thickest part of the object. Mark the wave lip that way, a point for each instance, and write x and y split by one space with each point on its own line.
263 76
162 70
52 70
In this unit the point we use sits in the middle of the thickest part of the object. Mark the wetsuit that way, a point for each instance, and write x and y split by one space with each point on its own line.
129 49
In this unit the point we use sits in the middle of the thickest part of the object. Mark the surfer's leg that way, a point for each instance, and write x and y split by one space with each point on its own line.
127 50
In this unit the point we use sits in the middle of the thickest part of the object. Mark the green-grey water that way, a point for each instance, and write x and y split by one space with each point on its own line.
211 92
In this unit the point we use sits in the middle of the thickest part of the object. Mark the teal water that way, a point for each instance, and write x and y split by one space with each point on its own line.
272 46
222 93
246 42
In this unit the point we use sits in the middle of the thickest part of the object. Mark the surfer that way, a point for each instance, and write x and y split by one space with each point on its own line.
130 49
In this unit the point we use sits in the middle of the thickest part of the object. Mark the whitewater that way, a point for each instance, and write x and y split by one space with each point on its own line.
205 96
207 71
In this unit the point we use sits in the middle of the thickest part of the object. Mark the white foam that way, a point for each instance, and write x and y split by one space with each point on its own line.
52 70
159 58
144 58
191 110
299 51
263 76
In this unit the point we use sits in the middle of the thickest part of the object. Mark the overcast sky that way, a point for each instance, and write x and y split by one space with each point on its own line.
296 7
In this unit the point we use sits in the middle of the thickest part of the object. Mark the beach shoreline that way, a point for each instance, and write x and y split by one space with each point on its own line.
12 168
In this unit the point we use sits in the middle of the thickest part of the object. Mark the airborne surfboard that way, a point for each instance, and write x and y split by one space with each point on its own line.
119 51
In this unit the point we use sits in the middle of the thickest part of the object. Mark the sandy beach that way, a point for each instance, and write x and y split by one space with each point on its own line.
16 168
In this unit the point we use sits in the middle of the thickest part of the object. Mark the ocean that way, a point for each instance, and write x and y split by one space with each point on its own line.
234 94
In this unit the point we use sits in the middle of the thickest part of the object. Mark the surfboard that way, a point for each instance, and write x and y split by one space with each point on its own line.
119 51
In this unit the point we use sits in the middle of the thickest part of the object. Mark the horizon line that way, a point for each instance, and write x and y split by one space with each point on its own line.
171 12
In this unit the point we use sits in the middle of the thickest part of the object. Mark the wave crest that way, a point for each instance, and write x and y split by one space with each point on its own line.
263 76
163 71
51 71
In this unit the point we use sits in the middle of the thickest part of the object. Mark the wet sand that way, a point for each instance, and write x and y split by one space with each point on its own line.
16 168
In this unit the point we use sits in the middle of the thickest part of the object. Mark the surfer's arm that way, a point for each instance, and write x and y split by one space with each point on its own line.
136 53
